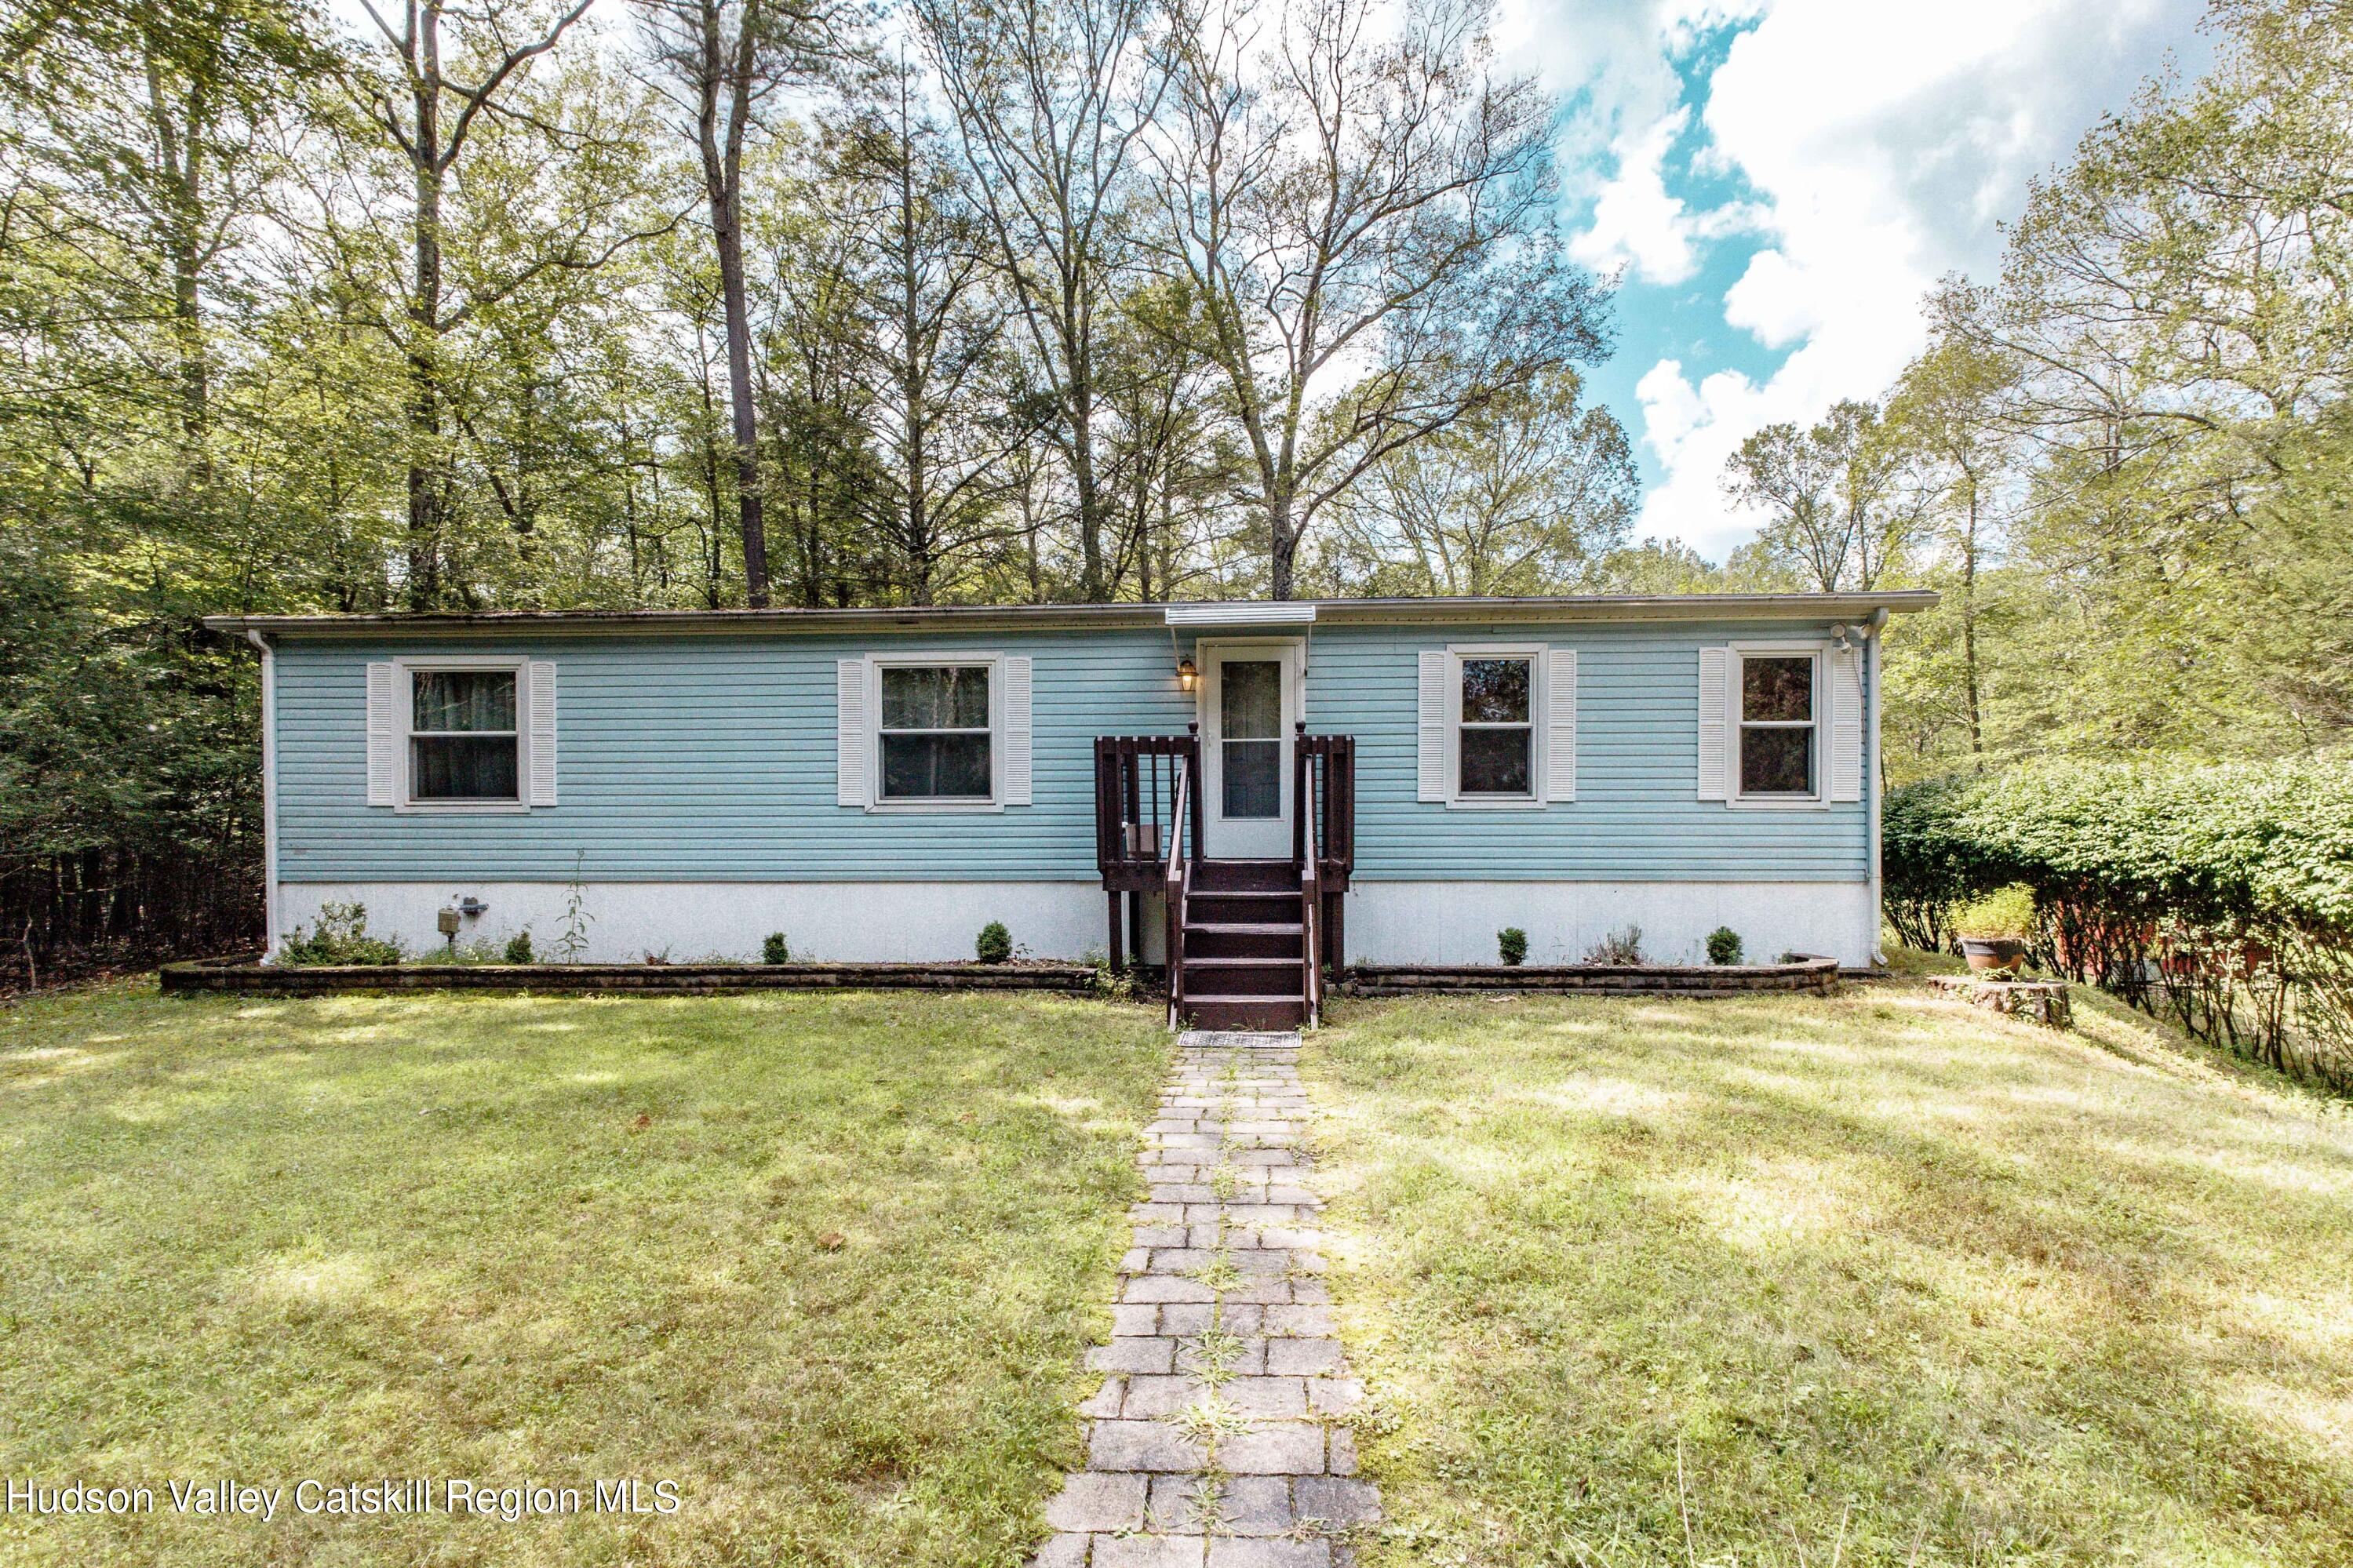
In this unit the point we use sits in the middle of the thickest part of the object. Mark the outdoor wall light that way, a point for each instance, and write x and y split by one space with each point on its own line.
1188 674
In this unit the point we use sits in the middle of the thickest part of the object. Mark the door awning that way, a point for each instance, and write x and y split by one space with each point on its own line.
1285 612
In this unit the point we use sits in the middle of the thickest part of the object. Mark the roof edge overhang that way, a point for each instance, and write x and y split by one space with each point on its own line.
1599 607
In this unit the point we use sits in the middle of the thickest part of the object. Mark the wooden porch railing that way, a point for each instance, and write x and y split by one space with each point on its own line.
1177 887
1148 837
1324 785
1143 813
1324 846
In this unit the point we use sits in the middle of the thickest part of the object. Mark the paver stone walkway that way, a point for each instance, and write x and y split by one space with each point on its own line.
1217 1439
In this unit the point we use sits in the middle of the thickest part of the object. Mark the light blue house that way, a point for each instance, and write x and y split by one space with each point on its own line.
880 784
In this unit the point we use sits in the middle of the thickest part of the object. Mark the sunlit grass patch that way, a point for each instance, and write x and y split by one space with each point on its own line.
1878 1279
826 1262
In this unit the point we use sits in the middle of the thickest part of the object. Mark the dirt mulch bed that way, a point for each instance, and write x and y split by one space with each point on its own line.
247 974
1816 975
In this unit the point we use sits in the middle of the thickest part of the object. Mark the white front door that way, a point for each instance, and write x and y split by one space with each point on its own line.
1249 704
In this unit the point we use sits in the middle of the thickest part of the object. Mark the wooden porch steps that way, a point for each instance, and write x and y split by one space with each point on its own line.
1245 946
1238 931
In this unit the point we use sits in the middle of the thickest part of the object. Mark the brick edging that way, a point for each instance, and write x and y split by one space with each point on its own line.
214 975
1818 977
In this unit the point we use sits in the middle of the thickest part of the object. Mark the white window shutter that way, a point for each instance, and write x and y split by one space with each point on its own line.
1433 725
543 732
852 752
1015 697
1560 724
384 732
1846 723
1714 715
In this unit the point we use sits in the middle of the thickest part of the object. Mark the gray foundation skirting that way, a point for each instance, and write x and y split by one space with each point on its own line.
633 979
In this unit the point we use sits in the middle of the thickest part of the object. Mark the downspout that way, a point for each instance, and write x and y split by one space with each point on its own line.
268 790
1871 773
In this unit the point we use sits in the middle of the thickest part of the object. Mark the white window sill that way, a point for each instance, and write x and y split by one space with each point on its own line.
1776 803
935 808
1495 802
462 808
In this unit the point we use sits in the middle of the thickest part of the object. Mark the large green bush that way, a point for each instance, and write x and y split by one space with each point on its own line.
2223 890
2218 842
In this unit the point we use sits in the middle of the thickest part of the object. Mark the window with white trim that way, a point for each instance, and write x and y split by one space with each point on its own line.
1495 740
933 738
464 743
1778 750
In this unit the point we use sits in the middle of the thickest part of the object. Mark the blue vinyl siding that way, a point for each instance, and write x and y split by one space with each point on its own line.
1637 815
707 759
711 758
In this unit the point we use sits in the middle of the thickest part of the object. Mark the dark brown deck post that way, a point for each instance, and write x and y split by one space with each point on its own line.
1118 959
1192 731
1302 792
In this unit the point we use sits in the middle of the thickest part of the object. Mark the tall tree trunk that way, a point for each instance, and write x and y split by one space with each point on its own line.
914 388
727 232
711 595
1082 474
1282 547
1969 627
425 509
180 147
729 67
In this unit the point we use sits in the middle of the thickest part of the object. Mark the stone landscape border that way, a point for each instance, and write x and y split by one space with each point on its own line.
214 976
1805 973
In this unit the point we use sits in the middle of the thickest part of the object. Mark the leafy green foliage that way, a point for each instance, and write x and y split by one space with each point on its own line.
1724 945
1511 946
995 943
776 948
2223 891
2005 913
518 948
2220 842
340 936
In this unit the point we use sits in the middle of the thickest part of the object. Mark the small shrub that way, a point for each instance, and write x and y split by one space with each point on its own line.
1116 983
658 955
1617 947
1512 944
995 945
1724 945
341 936
519 947
2005 912
775 949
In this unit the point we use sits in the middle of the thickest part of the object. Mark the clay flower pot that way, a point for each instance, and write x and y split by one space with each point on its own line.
1994 954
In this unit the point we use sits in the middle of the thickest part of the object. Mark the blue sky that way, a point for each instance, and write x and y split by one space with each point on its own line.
1777 182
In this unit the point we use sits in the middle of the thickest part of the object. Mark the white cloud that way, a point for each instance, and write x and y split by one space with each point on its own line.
1881 142
1637 224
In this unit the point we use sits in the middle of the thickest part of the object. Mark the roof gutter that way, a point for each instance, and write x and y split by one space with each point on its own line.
1622 607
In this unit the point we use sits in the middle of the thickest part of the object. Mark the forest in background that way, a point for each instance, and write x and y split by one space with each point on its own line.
723 302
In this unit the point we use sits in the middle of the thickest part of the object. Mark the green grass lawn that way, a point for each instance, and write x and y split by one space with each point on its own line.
1873 1279
826 1264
